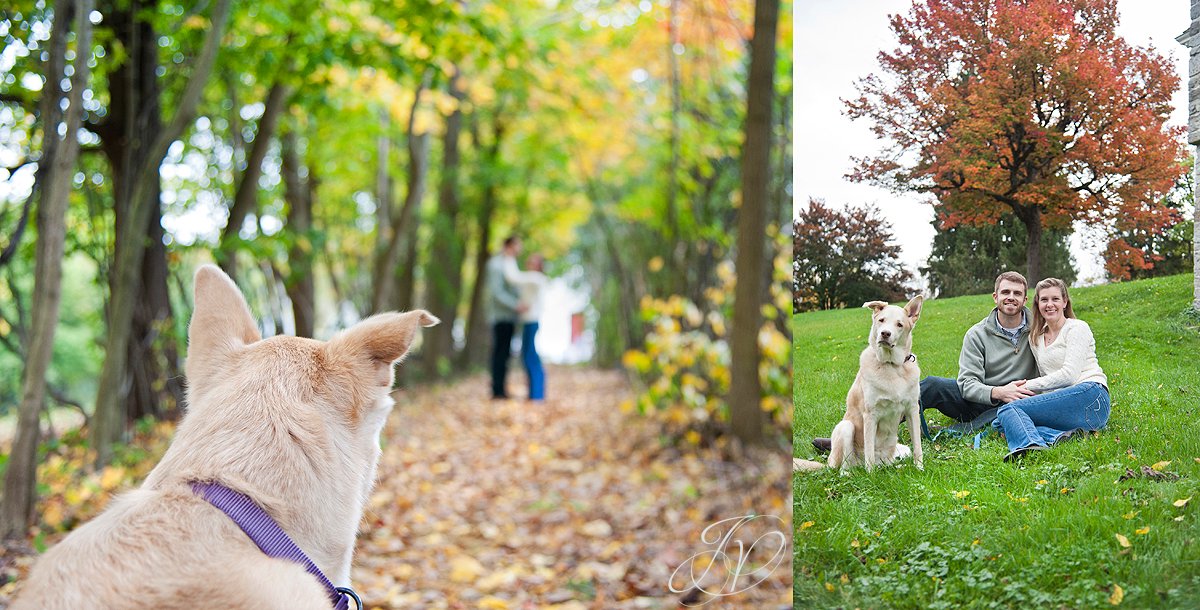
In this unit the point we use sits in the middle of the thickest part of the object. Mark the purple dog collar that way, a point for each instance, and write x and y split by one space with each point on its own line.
269 537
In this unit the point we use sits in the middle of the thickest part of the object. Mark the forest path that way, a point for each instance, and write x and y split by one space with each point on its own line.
568 504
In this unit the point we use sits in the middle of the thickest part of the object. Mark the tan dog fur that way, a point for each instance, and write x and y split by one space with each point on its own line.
293 423
886 388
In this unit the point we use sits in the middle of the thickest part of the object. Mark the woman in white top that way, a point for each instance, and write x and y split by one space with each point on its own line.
530 285
1072 393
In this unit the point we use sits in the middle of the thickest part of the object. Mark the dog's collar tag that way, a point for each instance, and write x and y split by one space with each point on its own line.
268 536
911 358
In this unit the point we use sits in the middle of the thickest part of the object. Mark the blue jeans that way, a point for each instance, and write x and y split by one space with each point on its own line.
533 364
1043 419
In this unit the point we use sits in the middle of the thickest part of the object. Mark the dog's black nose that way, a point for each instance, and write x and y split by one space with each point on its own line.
885 333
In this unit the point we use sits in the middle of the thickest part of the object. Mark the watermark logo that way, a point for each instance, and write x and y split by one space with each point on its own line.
743 552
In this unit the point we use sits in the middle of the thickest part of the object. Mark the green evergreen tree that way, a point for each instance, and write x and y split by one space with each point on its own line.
966 260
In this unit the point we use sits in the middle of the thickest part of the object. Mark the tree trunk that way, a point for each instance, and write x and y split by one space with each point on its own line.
745 391
109 416
383 180
299 281
59 156
1031 217
443 270
476 334
672 214
156 389
246 196
386 264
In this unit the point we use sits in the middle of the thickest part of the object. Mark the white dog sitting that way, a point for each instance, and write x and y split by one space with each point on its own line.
886 389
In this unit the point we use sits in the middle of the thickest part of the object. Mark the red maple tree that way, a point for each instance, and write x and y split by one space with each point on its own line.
1036 107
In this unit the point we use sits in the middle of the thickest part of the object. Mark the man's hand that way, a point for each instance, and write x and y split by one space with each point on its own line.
1015 390
522 308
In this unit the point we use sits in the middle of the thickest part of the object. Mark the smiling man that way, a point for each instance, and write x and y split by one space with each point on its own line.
994 364
995 360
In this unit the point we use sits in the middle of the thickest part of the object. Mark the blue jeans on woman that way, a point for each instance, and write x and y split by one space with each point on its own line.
533 364
1043 419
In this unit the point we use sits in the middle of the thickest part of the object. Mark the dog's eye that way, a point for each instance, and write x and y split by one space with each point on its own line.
898 324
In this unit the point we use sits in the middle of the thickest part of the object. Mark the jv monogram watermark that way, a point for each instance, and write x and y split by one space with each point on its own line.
743 552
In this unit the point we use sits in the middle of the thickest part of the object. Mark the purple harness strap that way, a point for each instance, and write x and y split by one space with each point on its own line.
267 534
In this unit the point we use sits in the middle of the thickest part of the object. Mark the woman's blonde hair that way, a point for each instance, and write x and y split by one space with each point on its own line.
1039 323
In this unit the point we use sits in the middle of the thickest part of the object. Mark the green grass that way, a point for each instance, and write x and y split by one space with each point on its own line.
1039 534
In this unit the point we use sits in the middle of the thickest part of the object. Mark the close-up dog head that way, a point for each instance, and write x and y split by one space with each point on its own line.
891 326
323 403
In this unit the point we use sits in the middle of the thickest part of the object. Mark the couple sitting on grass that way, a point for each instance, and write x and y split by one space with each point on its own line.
1037 380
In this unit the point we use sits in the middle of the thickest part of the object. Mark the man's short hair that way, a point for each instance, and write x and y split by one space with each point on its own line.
1011 276
508 241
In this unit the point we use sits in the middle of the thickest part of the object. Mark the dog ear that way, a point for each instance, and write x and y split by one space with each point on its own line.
220 320
875 305
913 309
379 341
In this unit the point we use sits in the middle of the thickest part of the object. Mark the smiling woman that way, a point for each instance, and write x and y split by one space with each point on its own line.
1072 393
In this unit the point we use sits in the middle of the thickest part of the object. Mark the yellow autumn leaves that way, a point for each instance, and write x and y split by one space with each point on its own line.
684 366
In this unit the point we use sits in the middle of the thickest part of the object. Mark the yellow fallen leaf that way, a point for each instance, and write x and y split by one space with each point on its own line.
958 495
1179 518
855 543
1042 482
492 603
1142 531
829 587
1197 460
1131 514
845 579
806 525
1123 540
464 569
1159 466
1182 503
1118 594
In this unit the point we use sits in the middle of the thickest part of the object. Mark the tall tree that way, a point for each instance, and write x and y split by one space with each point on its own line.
844 258
298 191
57 166
443 273
745 388
1037 108
245 198
109 417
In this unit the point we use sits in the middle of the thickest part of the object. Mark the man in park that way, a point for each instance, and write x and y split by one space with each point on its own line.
504 308
993 365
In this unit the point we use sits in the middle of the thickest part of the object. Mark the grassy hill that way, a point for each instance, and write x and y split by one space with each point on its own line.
1057 530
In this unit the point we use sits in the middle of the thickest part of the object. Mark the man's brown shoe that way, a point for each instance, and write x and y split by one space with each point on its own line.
823 445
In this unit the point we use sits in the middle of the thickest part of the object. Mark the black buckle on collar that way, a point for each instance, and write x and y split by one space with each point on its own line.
348 592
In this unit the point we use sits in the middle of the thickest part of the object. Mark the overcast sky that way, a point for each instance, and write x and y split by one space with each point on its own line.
836 44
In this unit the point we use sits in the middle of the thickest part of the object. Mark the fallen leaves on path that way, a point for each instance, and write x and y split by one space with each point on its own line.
568 504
